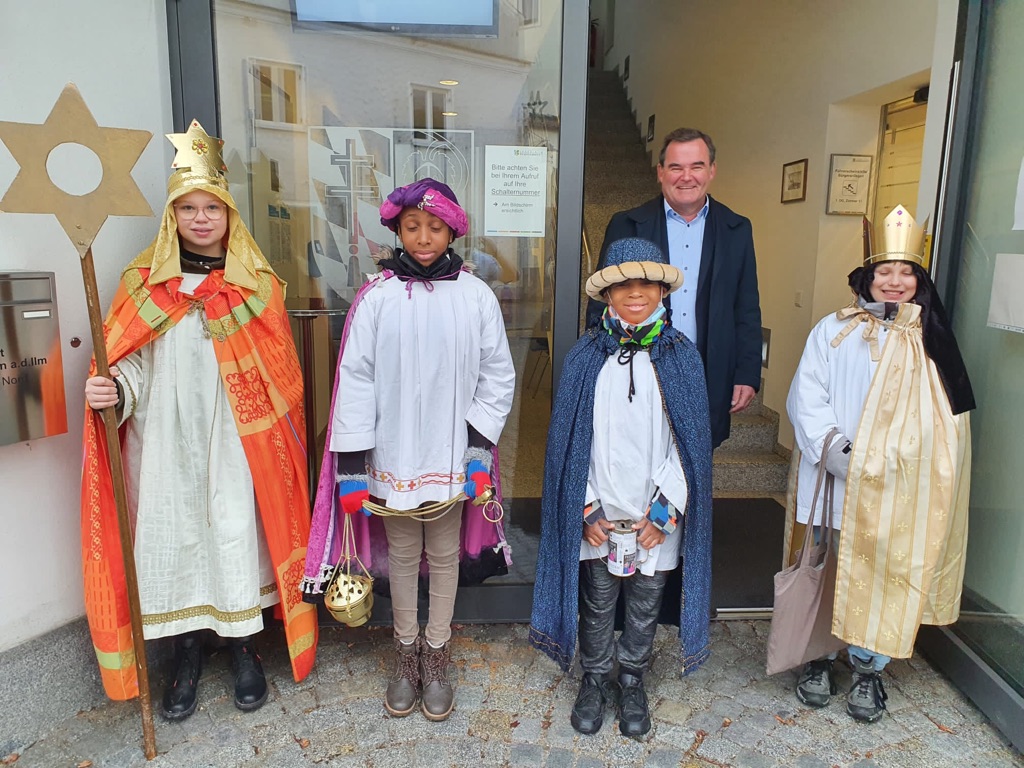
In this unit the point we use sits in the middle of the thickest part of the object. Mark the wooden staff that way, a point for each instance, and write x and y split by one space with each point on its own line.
92 299
81 217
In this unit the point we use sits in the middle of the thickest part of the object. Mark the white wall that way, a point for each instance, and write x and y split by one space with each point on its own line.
117 56
778 82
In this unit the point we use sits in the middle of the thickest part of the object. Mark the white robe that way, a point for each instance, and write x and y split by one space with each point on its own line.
828 390
418 365
632 455
200 551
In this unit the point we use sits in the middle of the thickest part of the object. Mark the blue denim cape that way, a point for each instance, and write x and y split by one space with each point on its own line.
680 374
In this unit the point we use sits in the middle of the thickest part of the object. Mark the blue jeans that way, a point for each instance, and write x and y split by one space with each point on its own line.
865 656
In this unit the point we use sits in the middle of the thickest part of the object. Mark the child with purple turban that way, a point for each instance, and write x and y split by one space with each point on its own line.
425 383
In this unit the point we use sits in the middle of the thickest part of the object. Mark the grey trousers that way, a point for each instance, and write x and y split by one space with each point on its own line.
599 592
407 541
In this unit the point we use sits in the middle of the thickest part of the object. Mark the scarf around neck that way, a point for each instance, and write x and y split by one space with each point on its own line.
642 335
446 267
633 338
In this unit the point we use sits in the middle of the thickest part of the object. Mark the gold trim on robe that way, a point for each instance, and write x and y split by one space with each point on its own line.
904 539
904 529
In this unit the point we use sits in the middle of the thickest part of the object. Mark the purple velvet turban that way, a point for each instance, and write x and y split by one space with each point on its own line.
428 195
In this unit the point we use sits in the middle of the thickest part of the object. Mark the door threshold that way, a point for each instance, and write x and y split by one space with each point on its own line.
741 614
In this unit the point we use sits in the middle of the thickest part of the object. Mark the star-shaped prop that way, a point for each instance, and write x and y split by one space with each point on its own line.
197 150
32 190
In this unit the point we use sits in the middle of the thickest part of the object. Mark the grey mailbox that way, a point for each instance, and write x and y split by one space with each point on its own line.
31 372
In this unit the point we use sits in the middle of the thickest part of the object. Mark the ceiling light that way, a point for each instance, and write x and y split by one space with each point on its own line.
448 82
450 114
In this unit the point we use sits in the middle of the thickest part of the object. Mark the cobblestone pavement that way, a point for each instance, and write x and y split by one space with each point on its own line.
513 709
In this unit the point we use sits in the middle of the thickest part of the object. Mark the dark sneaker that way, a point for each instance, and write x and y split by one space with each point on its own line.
438 697
634 712
596 692
403 691
181 695
250 682
816 684
867 697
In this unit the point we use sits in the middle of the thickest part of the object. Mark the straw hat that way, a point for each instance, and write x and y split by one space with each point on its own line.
633 258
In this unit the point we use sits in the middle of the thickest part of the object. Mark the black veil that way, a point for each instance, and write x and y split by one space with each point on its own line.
939 342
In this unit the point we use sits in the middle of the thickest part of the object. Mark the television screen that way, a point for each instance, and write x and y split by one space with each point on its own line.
474 18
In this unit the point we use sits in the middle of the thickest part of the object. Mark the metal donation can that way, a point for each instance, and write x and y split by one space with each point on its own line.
622 549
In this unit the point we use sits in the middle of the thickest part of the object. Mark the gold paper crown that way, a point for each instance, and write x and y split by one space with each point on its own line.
198 159
898 238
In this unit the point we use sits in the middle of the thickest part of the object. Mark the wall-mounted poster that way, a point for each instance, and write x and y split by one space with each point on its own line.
849 184
515 195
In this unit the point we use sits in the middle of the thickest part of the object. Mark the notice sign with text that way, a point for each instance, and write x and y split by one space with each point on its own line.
515 197
1004 309
849 184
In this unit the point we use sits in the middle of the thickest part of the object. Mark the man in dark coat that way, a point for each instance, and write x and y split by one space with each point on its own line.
718 307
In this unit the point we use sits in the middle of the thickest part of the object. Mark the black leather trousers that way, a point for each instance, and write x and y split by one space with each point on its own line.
599 592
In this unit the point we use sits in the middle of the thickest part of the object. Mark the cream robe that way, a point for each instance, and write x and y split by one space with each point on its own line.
901 555
633 454
421 361
200 552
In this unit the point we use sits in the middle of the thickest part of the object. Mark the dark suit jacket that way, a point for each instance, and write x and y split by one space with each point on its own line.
728 307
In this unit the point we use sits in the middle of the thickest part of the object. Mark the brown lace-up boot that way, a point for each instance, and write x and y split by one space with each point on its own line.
438 699
404 685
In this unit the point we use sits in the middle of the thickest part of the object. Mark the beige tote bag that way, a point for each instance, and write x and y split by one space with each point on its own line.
801 628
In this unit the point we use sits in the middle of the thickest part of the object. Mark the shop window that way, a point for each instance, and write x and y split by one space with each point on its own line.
276 92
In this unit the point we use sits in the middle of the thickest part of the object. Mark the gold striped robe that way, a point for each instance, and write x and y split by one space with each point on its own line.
904 529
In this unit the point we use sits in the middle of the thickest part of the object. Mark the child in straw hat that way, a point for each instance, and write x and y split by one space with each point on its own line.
629 450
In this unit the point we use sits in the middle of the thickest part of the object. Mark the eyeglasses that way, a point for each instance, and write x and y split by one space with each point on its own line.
213 211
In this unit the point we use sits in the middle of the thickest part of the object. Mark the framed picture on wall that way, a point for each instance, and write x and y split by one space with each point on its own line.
794 181
849 182
650 129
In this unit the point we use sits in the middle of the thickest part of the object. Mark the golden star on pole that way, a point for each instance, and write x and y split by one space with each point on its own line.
32 190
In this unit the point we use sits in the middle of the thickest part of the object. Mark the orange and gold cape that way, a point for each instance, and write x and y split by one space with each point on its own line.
260 372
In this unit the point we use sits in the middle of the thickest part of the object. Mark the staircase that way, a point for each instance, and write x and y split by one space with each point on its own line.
617 176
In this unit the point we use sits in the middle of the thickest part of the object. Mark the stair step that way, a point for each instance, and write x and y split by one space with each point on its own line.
628 193
758 471
604 78
616 173
600 139
751 432
631 150
616 124
603 108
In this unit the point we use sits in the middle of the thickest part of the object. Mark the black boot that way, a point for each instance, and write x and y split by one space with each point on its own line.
250 682
180 697
596 691
634 713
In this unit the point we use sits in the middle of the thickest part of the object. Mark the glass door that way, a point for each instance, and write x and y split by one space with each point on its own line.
326 107
989 324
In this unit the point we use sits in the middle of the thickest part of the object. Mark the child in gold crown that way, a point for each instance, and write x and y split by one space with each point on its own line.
208 393
887 373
